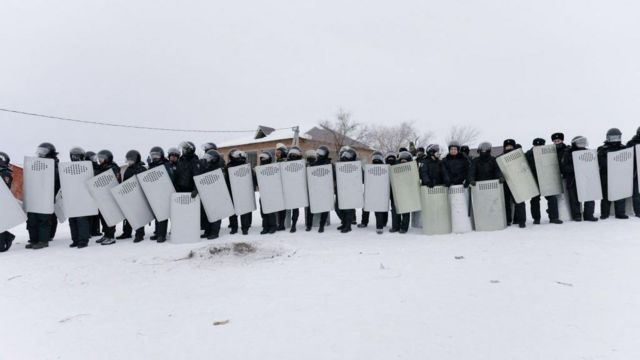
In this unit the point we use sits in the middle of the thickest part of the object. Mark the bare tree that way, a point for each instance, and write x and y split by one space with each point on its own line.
465 135
391 138
344 130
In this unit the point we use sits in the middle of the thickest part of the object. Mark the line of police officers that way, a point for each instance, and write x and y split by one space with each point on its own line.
456 168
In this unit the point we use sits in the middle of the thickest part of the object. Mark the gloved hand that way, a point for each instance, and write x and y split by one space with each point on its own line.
501 180
473 183
466 184
431 183
194 193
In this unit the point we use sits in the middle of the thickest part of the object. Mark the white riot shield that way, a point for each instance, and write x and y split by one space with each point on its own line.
270 187
320 179
242 191
131 200
460 211
405 183
73 183
11 213
436 213
518 175
620 174
548 170
349 183
294 181
185 218
38 185
564 208
58 208
377 187
585 165
100 189
487 198
158 188
214 194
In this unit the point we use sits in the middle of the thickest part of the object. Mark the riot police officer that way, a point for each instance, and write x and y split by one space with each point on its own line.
578 213
42 227
238 158
106 163
134 166
80 226
269 221
552 201
157 158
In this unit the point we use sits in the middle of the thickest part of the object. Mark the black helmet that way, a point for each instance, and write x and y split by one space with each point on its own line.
212 156
464 149
405 156
133 156
77 154
237 155
46 150
283 149
484 147
4 159
322 152
377 157
104 156
90 155
402 149
174 151
311 156
188 148
294 153
420 150
156 153
208 146
538 142
348 155
265 158
579 142
433 149
614 135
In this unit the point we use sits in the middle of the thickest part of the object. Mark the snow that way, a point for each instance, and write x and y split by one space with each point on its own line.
546 292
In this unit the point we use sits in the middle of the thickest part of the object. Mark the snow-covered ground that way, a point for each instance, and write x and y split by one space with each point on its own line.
547 292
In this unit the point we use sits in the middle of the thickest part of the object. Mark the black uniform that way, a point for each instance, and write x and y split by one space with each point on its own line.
567 170
605 204
552 201
6 238
187 167
635 140
457 168
109 231
433 173
245 219
130 171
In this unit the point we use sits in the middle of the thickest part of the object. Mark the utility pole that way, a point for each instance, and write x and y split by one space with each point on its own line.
296 136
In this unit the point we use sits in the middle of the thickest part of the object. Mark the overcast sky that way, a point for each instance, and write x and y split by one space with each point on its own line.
520 69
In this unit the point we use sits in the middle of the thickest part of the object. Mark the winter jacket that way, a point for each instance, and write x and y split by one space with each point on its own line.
188 166
484 167
110 166
134 169
433 173
602 156
457 168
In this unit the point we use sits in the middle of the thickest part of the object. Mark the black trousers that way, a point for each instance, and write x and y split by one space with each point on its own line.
108 231
520 211
281 217
39 227
381 219
395 217
161 228
270 221
212 228
94 225
576 211
619 206
127 230
552 208
364 220
636 196
308 218
80 229
54 226
405 219
245 221
6 239
348 216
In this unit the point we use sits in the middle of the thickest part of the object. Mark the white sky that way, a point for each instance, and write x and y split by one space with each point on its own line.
518 69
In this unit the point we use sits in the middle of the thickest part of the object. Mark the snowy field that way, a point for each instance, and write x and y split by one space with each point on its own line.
547 292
